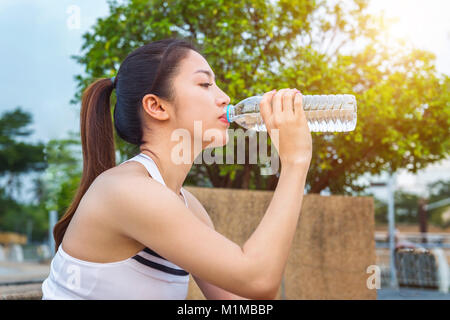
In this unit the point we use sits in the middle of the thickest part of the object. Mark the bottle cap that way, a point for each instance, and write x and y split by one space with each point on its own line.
228 117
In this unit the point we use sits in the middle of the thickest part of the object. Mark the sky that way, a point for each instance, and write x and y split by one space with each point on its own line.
37 71
424 23
39 36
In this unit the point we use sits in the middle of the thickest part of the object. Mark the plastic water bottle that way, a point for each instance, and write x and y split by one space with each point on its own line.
324 113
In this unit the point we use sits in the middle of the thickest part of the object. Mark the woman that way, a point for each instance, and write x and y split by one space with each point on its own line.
132 231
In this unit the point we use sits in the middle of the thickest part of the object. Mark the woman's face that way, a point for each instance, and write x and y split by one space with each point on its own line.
200 102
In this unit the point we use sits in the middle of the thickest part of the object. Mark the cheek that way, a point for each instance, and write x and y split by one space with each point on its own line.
196 116
200 120
193 121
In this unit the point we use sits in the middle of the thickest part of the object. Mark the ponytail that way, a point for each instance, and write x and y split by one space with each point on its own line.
97 140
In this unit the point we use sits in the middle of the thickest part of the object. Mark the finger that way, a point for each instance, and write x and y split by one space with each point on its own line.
298 104
288 102
265 106
277 102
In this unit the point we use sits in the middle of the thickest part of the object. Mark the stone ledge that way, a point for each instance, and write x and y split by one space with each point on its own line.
21 292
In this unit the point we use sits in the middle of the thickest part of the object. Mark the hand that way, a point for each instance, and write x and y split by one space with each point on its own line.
282 111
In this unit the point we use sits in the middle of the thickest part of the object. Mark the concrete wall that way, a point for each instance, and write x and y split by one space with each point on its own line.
333 245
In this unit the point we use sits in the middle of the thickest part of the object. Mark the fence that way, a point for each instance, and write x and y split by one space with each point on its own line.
422 260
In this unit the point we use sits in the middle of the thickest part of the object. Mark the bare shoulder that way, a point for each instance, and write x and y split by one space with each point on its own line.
126 178
113 186
123 179
130 181
129 187
130 169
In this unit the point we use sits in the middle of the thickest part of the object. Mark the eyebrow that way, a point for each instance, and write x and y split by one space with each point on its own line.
208 73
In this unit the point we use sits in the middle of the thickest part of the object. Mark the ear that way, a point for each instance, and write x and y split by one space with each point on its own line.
154 106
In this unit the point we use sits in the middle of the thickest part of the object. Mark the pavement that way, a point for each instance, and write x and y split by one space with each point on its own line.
21 292
22 281
411 294
12 272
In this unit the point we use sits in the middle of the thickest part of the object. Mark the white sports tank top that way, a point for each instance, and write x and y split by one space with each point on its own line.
147 275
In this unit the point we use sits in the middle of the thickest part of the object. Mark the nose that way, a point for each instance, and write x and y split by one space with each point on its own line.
223 100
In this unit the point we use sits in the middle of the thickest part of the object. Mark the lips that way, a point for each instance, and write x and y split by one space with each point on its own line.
223 118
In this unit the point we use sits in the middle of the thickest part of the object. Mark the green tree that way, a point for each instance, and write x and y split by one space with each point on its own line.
62 177
319 47
17 158
55 188
27 219
380 211
10 208
407 205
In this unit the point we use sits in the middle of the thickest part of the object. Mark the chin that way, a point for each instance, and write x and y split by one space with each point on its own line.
217 140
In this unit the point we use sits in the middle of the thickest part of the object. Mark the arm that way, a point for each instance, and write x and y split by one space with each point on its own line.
210 291
155 216
270 243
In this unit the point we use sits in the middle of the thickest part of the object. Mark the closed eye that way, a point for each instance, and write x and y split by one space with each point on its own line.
206 85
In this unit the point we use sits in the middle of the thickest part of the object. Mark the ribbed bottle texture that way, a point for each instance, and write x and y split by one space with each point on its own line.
324 113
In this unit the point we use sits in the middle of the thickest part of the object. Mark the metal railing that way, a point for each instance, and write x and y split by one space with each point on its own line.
415 267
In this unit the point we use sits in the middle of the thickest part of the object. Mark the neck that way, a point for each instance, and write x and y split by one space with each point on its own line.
173 173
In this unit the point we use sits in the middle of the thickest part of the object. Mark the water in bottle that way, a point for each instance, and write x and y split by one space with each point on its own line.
324 113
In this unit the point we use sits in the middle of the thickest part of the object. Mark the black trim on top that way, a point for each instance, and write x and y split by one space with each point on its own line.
153 253
160 267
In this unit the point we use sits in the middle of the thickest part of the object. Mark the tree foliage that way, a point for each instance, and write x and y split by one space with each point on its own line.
60 181
319 47
407 205
17 158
